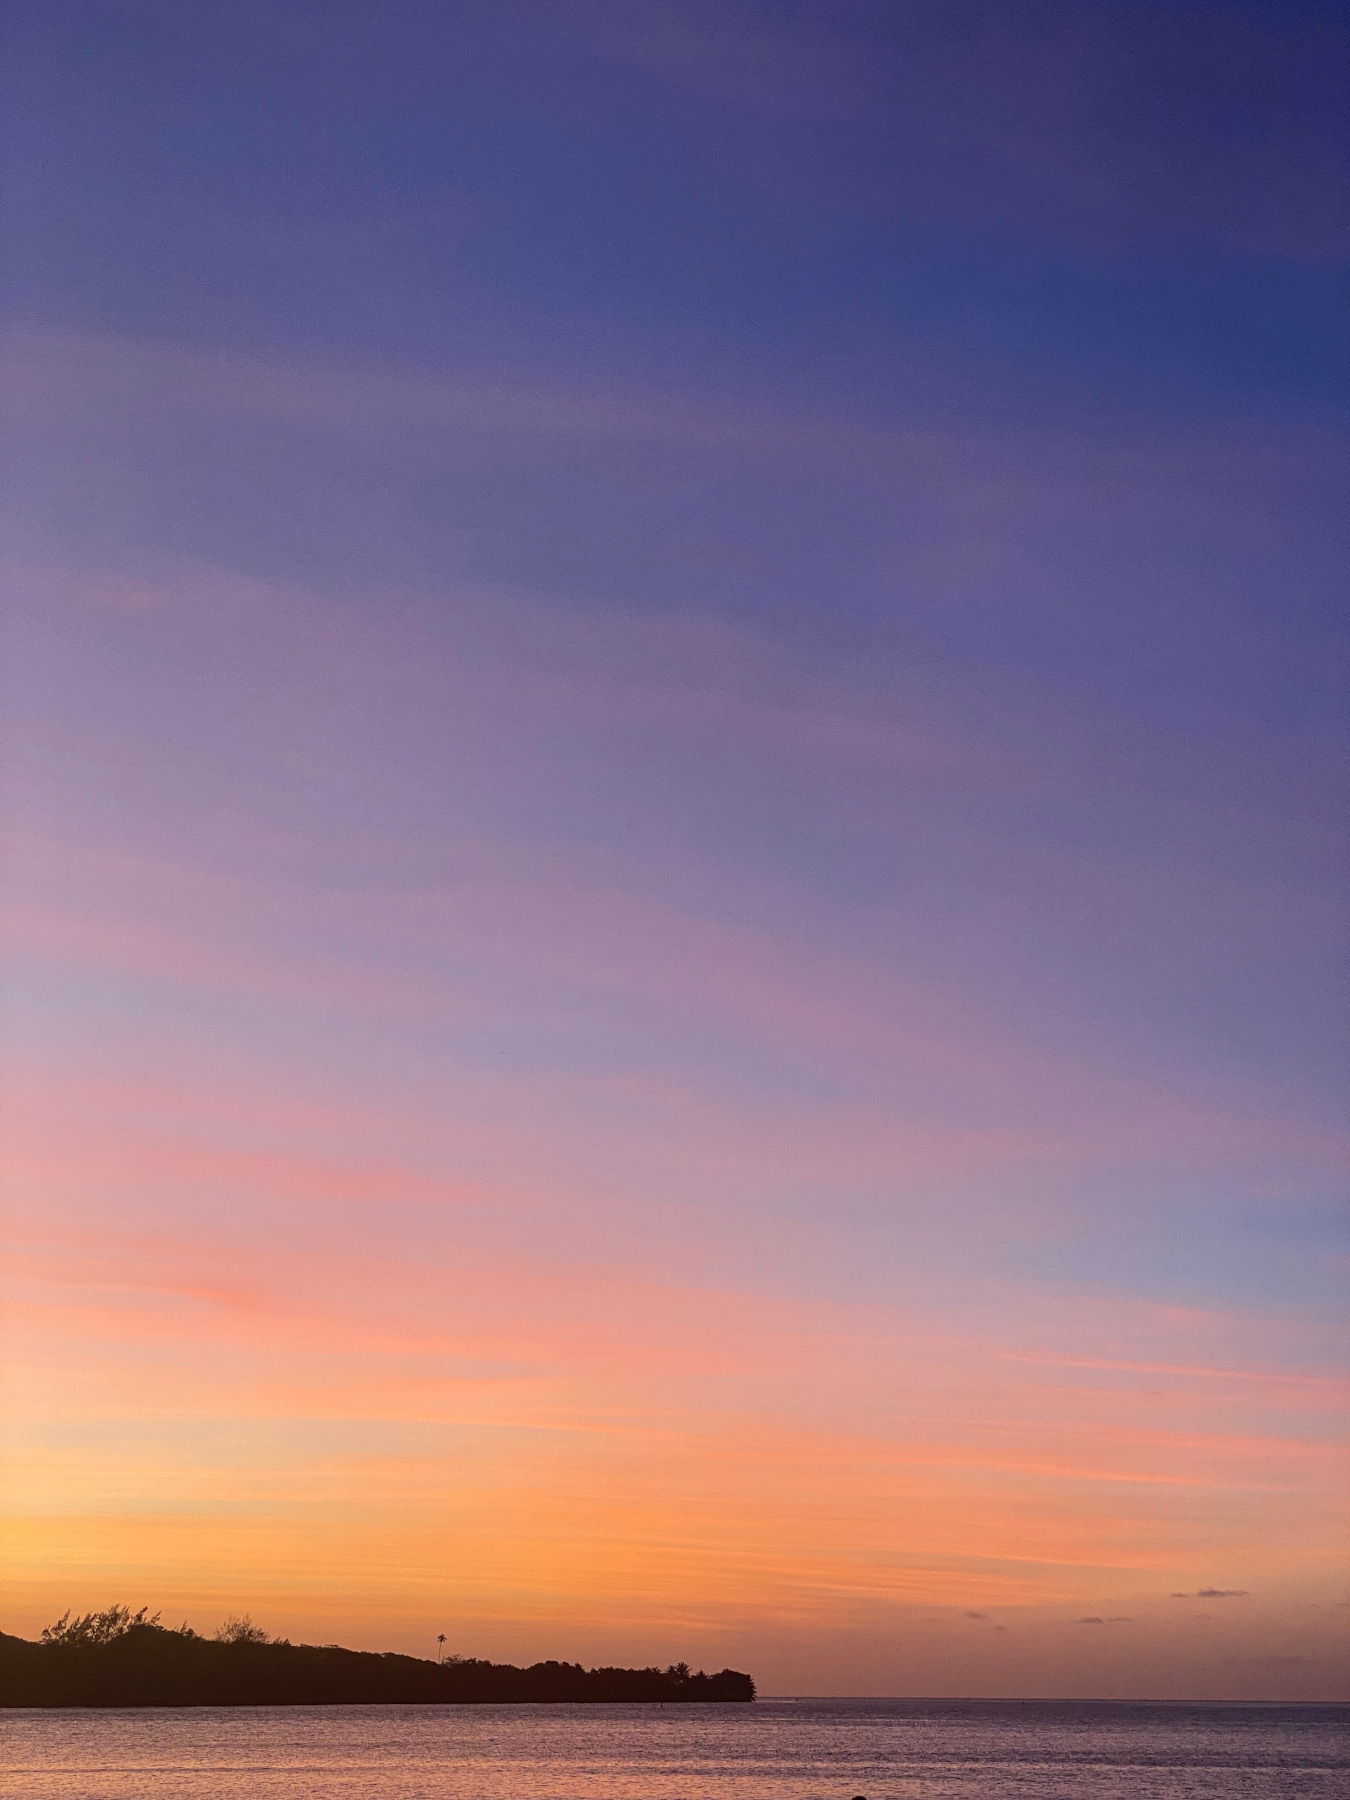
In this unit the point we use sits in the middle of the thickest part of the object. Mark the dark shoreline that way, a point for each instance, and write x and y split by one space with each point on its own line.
148 1666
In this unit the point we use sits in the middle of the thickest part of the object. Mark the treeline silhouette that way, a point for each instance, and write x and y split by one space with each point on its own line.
121 1658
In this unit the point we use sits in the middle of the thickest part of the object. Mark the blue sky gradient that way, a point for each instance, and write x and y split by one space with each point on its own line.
723 624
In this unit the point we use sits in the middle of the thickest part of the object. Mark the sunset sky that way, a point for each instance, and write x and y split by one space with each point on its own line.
674 912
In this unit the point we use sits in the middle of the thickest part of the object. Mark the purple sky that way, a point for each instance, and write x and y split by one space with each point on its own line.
683 669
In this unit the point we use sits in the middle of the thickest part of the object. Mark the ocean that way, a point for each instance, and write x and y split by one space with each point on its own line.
773 1750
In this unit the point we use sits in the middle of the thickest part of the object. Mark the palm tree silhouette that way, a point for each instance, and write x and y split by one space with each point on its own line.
440 1657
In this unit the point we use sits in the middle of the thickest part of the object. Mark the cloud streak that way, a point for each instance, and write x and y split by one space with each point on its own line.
1214 1594
673 842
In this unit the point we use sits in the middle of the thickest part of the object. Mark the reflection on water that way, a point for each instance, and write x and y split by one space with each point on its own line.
775 1750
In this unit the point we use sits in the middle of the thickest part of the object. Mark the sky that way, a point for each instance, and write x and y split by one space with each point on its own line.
674 906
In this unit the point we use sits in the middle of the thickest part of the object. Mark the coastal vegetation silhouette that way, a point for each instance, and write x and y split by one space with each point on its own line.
121 1658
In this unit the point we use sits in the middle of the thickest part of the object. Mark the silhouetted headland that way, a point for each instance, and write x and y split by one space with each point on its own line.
139 1662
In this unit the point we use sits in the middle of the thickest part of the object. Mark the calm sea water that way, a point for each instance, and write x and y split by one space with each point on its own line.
774 1750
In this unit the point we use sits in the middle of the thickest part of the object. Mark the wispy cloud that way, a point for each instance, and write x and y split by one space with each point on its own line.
1213 1594
672 905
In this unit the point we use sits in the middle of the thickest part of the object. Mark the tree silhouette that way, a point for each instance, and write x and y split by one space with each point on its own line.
123 1658
97 1627
240 1629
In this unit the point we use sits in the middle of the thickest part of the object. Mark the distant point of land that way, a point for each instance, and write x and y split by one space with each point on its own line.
135 1661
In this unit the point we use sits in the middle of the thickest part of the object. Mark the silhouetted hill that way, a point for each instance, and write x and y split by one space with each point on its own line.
149 1666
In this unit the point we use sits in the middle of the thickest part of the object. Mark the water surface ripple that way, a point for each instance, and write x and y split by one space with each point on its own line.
774 1750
